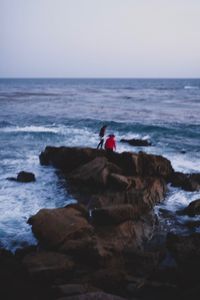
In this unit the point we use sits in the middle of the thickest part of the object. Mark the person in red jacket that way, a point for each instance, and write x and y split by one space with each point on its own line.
110 143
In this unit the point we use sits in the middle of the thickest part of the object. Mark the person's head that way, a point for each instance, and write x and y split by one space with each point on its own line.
112 135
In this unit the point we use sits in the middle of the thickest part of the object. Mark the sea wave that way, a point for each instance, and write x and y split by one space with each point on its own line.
31 128
191 87
5 124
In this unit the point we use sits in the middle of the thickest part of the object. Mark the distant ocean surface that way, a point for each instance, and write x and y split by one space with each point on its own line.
39 112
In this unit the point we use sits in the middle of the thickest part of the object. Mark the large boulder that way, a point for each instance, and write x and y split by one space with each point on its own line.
143 194
62 228
113 239
25 177
154 165
192 209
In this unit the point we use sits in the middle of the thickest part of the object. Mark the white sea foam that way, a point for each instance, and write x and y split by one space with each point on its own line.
178 199
31 129
191 87
184 163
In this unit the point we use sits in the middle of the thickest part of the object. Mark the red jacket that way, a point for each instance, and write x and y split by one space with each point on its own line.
110 143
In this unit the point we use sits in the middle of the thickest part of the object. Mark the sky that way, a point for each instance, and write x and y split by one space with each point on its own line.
100 38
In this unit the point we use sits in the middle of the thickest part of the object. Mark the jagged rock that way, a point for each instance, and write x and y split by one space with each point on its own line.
192 209
129 234
47 265
68 159
120 182
154 165
136 142
94 173
147 192
188 182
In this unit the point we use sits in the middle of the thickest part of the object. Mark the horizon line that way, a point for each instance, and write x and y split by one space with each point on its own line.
41 77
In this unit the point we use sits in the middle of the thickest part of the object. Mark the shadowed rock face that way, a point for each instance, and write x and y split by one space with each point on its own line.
188 182
68 159
25 177
192 209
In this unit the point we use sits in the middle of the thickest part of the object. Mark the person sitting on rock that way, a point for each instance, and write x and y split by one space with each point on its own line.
101 136
110 144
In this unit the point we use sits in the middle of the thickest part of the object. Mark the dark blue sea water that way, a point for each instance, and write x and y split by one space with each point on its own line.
39 112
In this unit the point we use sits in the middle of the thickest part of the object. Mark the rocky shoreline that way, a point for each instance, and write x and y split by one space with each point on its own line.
106 246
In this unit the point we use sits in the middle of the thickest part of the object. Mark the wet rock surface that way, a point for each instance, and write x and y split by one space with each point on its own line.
192 209
23 176
108 245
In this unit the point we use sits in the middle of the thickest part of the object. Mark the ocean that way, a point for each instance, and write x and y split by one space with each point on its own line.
69 112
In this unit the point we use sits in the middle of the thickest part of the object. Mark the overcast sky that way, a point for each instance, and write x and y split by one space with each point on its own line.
99 38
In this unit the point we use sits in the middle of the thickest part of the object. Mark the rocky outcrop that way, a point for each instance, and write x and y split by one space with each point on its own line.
188 182
69 158
67 230
63 228
192 209
100 247
136 142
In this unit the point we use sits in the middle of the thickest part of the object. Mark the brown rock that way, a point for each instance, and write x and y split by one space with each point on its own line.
56 227
68 159
146 193
153 165
192 209
25 177
188 182
120 182
130 234
45 264
93 173
115 214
